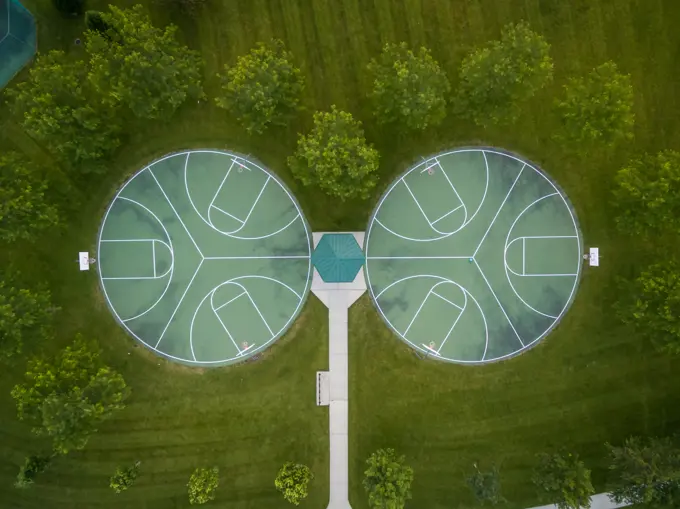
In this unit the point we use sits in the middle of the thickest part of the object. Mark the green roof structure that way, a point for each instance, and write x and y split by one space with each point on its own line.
338 258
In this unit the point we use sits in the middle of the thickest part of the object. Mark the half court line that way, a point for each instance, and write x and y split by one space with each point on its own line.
499 211
153 255
282 257
179 304
418 257
499 303
175 211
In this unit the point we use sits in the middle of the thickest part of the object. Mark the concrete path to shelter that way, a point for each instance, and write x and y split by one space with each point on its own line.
599 501
338 297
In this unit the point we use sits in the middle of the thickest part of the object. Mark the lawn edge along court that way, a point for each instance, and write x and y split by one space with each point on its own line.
473 255
204 257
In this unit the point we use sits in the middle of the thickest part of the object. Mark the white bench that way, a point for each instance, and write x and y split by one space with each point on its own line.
594 257
323 388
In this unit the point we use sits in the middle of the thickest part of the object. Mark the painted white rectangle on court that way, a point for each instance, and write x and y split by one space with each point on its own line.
323 388
594 258
84 260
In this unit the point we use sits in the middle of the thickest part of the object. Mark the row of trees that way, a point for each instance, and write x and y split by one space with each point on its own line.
411 91
65 398
646 192
292 481
644 471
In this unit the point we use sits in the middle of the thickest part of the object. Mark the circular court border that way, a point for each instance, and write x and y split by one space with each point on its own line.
303 295
428 353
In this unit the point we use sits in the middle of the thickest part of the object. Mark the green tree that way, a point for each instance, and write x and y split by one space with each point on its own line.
124 477
651 303
645 471
563 480
387 480
94 21
66 397
24 210
292 481
33 465
408 88
188 7
598 109
23 313
57 107
647 194
203 485
496 79
141 66
335 156
264 87
486 486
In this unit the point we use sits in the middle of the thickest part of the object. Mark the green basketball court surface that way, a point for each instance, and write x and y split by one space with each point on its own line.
204 257
473 255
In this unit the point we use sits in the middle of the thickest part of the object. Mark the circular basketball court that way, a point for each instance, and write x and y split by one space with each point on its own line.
204 257
473 255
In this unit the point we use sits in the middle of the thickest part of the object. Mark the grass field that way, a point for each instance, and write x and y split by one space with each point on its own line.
590 382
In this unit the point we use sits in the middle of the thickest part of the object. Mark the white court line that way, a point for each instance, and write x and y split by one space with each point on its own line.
432 350
212 305
448 334
260 313
175 211
447 300
269 177
227 213
242 352
417 202
282 257
417 312
228 302
499 303
447 214
179 304
418 257
524 255
219 188
241 165
543 275
228 334
499 210
431 166
454 190
132 278
153 254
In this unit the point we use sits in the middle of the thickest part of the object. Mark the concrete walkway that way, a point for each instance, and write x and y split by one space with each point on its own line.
338 297
599 501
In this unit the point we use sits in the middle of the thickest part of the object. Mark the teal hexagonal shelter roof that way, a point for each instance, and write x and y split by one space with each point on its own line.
338 258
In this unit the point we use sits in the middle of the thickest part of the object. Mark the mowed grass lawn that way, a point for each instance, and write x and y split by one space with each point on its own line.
590 382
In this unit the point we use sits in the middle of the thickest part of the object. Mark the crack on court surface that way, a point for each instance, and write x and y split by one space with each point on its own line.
517 256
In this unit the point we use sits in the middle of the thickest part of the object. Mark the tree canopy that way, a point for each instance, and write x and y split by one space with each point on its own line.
33 465
24 211
23 312
203 484
486 485
387 480
647 194
645 471
124 477
57 106
141 66
68 395
597 109
408 88
496 79
292 481
563 480
264 87
651 303
335 156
